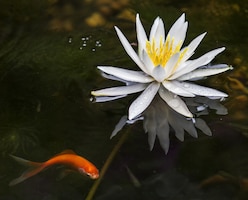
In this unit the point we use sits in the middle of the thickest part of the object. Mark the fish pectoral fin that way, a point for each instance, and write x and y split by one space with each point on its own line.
65 172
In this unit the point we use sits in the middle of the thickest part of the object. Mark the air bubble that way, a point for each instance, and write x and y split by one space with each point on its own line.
70 40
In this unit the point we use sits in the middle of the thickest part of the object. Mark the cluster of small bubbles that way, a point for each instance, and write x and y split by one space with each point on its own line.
87 42
98 43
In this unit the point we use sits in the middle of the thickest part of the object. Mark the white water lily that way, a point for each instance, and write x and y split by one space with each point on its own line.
165 69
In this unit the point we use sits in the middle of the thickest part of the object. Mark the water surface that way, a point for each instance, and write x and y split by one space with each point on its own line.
49 51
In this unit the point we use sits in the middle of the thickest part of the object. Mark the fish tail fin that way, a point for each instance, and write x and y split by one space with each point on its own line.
34 168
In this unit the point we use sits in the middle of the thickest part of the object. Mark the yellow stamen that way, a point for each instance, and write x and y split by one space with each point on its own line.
161 53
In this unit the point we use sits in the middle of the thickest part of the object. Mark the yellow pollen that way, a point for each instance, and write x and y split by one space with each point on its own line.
162 52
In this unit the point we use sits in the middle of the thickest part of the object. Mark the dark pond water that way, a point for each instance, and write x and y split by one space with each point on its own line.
49 51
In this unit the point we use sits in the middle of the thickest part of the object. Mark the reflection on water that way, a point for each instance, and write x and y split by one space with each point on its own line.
47 72
159 118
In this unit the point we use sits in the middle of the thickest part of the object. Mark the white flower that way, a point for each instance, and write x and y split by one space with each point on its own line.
165 69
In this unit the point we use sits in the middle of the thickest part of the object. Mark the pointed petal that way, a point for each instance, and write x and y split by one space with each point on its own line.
154 28
141 35
201 90
173 119
148 63
203 72
158 73
175 102
179 133
100 99
178 30
177 25
122 90
175 88
187 67
151 137
125 74
163 136
181 34
114 78
169 67
129 49
201 124
190 128
143 101
193 45
150 127
194 64
185 124
119 126
160 33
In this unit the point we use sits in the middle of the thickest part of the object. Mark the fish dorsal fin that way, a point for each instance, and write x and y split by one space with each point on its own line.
67 151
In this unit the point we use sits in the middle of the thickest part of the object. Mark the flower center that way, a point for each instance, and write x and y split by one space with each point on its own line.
160 54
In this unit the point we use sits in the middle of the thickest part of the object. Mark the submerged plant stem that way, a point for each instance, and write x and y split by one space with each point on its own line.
106 165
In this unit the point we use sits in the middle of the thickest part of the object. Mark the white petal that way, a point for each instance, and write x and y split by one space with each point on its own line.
201 90
194 64
143 101
211 55
193 45
100 99
187 67
158 73
178 30
114 78
175 102
141 35
127 75
181 34
177 25
203 72
175 88
148 63
160 33
129 49
122 90
169 67
154 28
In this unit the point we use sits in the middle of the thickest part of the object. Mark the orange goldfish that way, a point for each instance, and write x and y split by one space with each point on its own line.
67 157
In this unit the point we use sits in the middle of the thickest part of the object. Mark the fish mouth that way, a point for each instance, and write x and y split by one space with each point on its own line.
94 176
